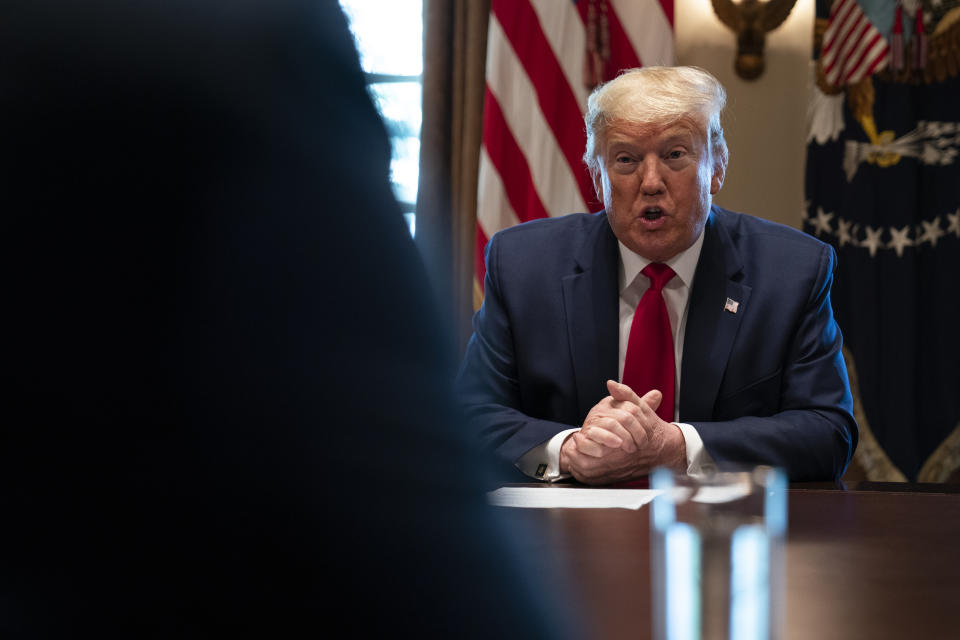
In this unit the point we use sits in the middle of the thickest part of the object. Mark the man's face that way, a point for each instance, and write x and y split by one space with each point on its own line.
657 184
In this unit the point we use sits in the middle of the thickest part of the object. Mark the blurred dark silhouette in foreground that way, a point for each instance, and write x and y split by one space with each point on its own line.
226 394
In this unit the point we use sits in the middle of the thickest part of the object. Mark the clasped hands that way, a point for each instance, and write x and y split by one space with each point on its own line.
621 439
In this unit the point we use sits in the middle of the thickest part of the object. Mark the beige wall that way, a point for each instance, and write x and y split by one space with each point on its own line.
765 120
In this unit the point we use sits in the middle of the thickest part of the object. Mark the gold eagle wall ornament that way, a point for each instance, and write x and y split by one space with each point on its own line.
943 59
751 20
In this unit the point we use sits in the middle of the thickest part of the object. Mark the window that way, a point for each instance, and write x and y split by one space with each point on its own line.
389 36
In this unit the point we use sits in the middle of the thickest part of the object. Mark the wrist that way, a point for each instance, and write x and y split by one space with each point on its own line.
676 448
564 461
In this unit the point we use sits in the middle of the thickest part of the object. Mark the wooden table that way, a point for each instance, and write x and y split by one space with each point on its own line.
860 564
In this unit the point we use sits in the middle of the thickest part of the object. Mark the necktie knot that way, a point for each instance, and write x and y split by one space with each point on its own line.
659 275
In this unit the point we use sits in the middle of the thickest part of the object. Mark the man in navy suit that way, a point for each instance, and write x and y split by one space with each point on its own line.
759 375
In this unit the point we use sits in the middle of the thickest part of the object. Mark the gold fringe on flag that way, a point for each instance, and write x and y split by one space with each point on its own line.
869 454
943 462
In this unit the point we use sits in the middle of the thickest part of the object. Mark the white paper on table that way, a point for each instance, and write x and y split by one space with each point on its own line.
568 498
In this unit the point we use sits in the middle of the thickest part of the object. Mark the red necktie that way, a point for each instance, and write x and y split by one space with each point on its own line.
649 362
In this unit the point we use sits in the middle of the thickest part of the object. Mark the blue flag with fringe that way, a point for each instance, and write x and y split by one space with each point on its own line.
883 186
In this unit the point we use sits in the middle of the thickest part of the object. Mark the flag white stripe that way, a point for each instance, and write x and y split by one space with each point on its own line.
865 50
493 208
852 46
564 30
552 177
879 50
648 29
843 36
839 26
856 38
846 10
524 126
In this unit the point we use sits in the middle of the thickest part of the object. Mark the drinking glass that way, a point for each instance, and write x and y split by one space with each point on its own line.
717 545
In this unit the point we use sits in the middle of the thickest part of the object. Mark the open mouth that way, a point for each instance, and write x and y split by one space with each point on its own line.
653 213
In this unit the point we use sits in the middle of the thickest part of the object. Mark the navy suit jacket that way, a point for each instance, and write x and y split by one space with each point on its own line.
766 384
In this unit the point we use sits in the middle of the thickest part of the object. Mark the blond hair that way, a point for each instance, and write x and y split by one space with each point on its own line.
657 96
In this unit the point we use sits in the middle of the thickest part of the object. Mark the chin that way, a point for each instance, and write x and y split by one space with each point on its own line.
658 251
651 253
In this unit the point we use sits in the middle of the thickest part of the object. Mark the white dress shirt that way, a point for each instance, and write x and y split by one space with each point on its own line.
543 462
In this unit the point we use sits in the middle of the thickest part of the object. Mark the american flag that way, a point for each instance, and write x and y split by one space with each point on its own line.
543 57
852 46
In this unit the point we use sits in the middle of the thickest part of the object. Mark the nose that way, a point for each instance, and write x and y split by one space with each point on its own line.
651 180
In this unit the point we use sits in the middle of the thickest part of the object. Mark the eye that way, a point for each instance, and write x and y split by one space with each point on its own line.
623 163
676 154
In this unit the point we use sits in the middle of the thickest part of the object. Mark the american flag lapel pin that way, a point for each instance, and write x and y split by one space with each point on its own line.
731 305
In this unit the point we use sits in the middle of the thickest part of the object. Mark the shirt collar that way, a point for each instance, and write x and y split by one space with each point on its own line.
684 264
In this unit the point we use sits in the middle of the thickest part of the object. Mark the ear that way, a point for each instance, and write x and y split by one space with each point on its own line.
719 173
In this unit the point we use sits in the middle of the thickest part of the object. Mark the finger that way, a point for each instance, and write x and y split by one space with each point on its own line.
582 466
622 392
632 418
647 409
599 409
603 435
611 419
588 447
622 423
640 420
652 399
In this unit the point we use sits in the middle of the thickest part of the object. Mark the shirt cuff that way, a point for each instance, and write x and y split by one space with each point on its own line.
543 461
699 462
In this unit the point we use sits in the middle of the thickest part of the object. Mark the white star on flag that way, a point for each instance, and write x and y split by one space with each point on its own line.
900 239
822 221
844 234
931 232
954 225
872 242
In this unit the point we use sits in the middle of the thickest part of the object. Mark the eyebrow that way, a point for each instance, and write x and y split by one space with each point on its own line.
683 135
684 138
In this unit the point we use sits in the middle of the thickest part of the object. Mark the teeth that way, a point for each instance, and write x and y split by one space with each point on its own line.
652 213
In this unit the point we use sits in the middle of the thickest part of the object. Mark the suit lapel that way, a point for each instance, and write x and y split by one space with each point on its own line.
590 301
711 327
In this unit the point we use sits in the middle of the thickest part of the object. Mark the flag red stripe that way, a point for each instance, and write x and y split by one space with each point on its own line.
846 10
667 6
557 101
622 54
508 159
516 24
861 62
871 65
880 59
841 13
844 32
854 40
851 41
852 46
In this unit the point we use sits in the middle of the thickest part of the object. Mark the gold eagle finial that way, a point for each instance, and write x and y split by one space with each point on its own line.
750 20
